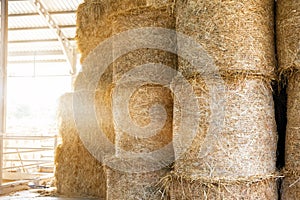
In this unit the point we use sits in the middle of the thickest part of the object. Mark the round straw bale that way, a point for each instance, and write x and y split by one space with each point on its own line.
288 37
92 28
93 25
246 145
238 35
77 173
140 103
125 185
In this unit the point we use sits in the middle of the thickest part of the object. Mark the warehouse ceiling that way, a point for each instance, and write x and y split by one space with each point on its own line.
42 31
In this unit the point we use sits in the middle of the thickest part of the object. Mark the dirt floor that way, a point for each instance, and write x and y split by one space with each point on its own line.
37 194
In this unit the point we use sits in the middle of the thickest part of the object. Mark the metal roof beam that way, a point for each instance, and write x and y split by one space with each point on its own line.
37 14
39 28
37 61
36 41
68 49
35 53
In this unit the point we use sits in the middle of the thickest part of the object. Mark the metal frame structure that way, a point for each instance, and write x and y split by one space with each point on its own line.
63 32
3 77
68 49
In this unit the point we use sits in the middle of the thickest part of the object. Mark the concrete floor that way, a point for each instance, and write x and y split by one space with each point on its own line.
36 195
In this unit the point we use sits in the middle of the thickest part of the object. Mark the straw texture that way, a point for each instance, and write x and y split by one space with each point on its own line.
288 39
255 188
226 164
291 186
246 146
125 185
148 95
237 34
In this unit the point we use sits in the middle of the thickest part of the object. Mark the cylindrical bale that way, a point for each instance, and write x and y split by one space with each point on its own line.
291 185
238 35
239 147
92 27
77 172
149 94
126 185
287 34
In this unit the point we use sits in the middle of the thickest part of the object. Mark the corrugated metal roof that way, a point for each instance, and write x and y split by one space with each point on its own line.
20 7
26 21
29 32
62 5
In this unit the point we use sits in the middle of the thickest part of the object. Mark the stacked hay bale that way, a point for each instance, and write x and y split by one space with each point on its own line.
73 162
236 161
133 184
288 46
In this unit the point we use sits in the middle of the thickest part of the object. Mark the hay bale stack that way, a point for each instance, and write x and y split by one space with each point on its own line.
74 164
291 185
141 185
78 173
238 161
288 40
148 95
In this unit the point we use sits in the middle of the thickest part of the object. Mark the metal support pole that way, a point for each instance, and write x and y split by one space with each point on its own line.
3 77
